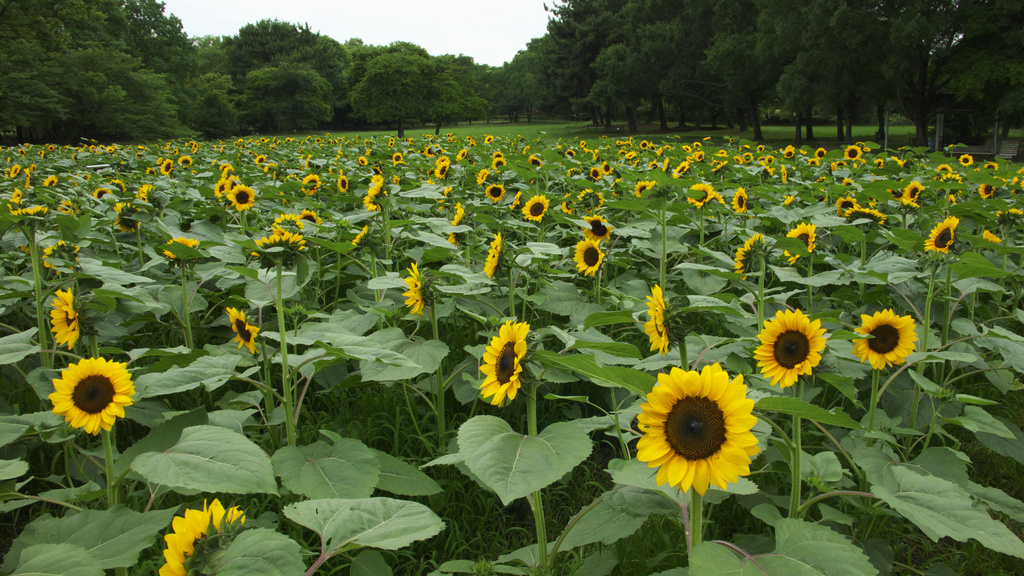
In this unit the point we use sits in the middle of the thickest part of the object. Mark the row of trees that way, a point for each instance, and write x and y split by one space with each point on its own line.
126 69
733 60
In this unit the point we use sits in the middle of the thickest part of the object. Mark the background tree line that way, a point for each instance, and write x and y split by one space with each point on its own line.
125 69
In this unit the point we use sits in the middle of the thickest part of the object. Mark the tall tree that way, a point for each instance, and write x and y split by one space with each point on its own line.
396 85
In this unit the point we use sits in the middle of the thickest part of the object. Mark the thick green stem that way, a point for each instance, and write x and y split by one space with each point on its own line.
286 383
684 355
37 285
511 293
874 400
186 318
664 245
797 481
925 327
760 296
810 289
108 456
536 501
439 391
696 518
700 255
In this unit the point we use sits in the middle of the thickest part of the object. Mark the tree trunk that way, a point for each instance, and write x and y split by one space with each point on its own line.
700 119
437 129
401 128
741 117
650 113
608 118
880 113
755 118
529 114
849 122
682 119
809 117
594 120
714 118
631 118
839 122
921 135
662 120
1004 130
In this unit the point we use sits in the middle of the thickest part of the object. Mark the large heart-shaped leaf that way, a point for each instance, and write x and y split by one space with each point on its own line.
375 522
514 465
210 459
348 469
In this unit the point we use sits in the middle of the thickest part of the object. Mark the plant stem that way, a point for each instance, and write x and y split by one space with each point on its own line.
37 286
511 293
810 289
874 401
439 411
186 319
925 327
664 244
696 517
286 384
536 501
760 296
797 449
108 456
684 355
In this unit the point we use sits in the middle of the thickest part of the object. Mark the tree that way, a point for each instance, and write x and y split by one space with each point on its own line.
395 86
289 97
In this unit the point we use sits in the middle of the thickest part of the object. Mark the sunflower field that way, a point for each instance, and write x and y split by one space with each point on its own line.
478 355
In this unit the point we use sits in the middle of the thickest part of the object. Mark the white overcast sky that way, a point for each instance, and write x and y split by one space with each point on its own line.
491 31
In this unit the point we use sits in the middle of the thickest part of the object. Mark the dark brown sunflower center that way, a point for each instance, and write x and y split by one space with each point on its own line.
442 170
536 209
239 325
791 348
741 202
695 428
886 338
598 228
242 197
93 393
845 204
505 364
308 218
944 239
494 192
591 256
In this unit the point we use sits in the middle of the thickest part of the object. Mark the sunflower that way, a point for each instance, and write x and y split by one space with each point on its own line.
596 173
536 207
892 339
498 163
655 327
696 429
588 256
739 201
290 242
64 319
791 345
709 194
223 186
988 235
481 176
986 191
599 229
310 184
853 152
643 186
495 192
359 237
92 393
942 236
126 217
742 265
869 213
166 167
805 233
191 528
50 181
342 183
245 333
535 160
101 192
185 161
845 205
966 160
414 295
241 197
493 256
503 363
397 158
190 242
441 167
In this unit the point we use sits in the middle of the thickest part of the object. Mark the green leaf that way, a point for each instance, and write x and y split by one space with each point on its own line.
941 508
801 549
616 514
514 465
977 420
348 469
419 358
794 407
12 469
210 459
383 523
113 538
260 552
10 432
56 560
209 371
620 349
15 347
402 478
370 563
633 380
608 319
